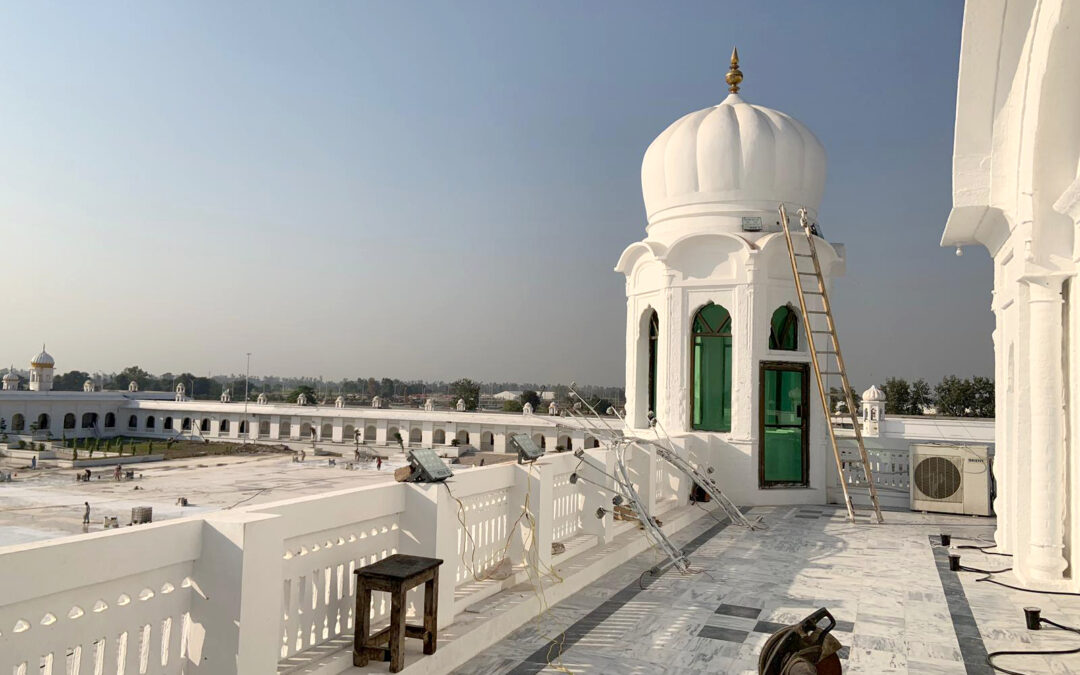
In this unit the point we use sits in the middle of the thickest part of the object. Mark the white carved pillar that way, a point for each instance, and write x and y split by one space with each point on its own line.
1047 411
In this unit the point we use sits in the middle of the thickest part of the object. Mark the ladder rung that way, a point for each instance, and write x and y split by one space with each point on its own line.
811 274
812 293
816 311
830 372
802 255
828 332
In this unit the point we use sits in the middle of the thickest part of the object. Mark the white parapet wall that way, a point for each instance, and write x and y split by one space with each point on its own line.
247 589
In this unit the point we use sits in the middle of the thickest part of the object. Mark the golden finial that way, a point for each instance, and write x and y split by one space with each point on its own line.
734 75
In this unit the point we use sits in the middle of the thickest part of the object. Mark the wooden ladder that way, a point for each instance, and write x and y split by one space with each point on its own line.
833 359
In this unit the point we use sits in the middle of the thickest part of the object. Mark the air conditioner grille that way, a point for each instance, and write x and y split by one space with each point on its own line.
939 479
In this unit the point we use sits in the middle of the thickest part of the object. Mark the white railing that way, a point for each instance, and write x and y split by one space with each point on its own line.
318 585
258 586
483 540
114 602
890 469
566 521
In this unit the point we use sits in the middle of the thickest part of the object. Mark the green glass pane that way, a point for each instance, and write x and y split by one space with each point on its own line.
783 454
784 330
654 362
712 319
712 383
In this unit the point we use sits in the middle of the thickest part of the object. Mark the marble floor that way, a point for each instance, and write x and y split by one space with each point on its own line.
898 607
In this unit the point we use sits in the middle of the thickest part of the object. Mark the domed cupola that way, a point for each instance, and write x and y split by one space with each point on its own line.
715 168
43 359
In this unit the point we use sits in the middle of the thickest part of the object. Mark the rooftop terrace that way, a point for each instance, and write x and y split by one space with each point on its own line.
268 586
899 609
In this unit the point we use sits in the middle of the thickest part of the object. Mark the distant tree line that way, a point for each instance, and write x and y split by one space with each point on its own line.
318 390
952 397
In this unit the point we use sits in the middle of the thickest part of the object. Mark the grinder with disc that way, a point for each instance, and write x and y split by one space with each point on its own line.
803 648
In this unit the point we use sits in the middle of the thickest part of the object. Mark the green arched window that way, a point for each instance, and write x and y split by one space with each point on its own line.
654 333
784 332
710 369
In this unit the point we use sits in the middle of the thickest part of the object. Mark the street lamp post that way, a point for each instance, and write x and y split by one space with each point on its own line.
247 376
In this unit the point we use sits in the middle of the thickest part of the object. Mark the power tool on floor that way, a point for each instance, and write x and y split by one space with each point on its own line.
803 648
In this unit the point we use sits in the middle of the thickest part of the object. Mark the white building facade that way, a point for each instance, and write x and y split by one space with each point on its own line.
714 342
1016 191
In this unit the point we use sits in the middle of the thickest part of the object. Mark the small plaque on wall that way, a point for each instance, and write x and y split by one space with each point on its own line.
751 224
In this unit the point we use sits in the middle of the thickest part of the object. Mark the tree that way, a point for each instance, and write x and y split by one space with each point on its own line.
307 390
466 390
953 396
512 406
982 397
921 397
530 396
897 396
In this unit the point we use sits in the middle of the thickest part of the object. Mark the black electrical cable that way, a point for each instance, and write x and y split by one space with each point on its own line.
989 578
984 550
979 571
1041 652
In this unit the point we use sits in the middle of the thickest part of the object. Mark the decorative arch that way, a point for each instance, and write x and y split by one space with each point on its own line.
784 329
185 425
89 420
591 442
439 437
149 422
369 433
133 422
487 441
416 435
565 442
223 428
18 422
306 430
710 369
168 424
463 437
348 433
243 427
204 425
43 421
539 440
327 431
110 420
264 427
284 429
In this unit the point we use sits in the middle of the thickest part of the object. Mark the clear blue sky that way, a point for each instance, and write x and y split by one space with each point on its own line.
440 190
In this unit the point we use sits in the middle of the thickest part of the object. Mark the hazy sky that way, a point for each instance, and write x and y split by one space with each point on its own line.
437 190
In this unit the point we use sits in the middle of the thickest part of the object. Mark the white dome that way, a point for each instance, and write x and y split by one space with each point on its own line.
730 158
11 377
873 394
43 359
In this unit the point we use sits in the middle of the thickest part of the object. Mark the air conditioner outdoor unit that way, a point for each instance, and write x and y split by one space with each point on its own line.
951 478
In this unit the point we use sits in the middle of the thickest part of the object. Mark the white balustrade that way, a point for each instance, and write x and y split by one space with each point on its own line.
260 585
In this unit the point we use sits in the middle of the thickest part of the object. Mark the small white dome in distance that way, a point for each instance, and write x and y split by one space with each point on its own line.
873 394
11 377
733 159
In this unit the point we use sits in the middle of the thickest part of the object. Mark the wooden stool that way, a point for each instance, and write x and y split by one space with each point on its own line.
395 575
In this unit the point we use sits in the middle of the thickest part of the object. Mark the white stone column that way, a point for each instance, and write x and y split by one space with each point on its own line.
1047 410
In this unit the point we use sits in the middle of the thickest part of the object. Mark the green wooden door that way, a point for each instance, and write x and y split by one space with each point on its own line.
784 424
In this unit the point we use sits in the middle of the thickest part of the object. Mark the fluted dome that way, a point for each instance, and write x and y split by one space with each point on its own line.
873 394
44 359
11 377
731 158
